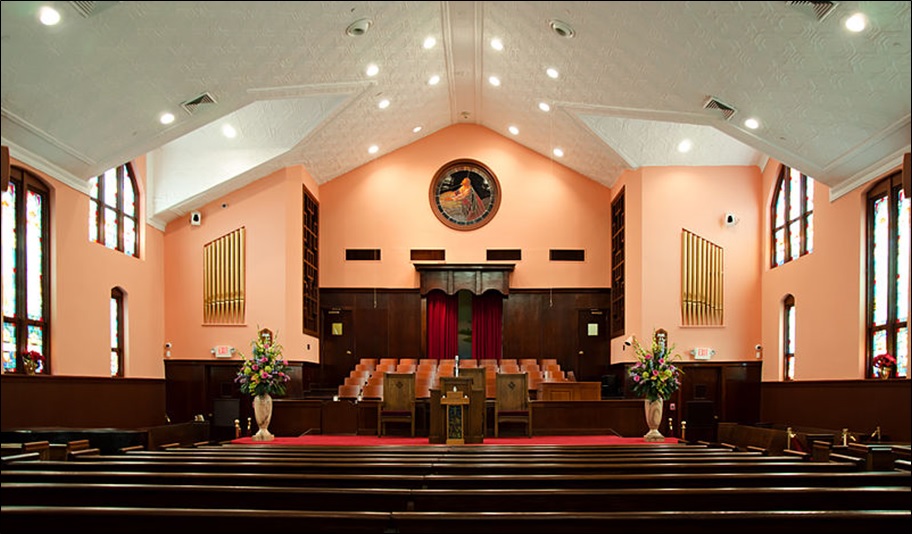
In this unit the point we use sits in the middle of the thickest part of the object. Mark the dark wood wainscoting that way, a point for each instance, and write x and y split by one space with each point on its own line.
537 323
81 402
859 405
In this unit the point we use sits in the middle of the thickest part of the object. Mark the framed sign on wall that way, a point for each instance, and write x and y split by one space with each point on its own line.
464 194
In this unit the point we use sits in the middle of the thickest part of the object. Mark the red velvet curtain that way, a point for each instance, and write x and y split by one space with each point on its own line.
442 323
487 325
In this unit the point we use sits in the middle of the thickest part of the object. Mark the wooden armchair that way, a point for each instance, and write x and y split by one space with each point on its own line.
511 401
398 404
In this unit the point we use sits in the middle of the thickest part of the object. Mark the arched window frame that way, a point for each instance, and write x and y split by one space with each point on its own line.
789 321
103 202
17 323
794 192
118 319
889 335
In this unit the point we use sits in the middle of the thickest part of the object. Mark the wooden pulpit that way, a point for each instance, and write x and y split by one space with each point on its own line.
472 412
454 402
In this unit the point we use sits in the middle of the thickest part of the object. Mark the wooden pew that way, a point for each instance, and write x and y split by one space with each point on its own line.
456 481
104 520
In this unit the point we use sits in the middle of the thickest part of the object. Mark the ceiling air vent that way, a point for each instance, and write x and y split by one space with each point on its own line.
714 103
87 9
819 10
191 106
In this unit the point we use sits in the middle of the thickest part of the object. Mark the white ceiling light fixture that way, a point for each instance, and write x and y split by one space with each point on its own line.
48 16
372 70
751 123
544 106
373 149
166 118
384 104
429 42
434 80
416 129
558 152
358 28
497 44
494 80
514 130
552 73
685 146
856 23
229 131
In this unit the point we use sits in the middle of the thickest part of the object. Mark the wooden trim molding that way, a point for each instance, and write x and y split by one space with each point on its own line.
476 278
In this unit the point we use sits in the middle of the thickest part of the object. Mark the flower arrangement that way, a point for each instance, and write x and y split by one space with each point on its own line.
33 361
266 371
883 361
654 375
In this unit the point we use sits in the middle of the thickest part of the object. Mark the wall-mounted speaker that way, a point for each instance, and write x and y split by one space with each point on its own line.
196 218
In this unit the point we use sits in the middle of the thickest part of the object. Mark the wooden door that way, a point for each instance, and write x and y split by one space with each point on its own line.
593 345
337 349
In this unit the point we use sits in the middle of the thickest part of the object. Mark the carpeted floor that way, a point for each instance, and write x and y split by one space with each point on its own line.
320 439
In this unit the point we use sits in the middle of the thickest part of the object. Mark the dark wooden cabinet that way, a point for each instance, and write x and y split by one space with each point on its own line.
710 392
207 388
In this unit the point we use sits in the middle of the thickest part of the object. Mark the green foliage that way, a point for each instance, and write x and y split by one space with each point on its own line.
654 375
265 371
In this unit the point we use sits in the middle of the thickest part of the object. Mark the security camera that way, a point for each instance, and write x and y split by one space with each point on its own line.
628 342
731 219
224 205
196 218
168 345
757 347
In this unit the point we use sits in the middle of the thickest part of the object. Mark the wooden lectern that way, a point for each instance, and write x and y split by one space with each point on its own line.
472 412
454 401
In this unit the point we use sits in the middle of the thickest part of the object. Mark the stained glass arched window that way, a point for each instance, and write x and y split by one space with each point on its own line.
114 210
25 273
888 276
792 217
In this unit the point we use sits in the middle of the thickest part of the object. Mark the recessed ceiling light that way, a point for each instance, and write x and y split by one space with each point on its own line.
497 44
358 28
373 149
48 16
562 29
856 22
166 118
434 80
514 130
558 152
429 43
384 104
229 131
752 123
552 73
372 70
544 106
416 129
494 80
685 146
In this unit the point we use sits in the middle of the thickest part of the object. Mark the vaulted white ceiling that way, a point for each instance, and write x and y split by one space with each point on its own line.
634 79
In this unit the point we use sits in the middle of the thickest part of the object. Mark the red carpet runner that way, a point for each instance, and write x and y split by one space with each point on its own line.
320 439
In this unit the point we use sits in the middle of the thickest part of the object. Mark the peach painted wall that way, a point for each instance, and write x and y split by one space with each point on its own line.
385 205
83 273
270 210
661 201
828 285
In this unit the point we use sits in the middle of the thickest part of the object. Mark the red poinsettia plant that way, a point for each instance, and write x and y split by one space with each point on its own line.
33 361
883 361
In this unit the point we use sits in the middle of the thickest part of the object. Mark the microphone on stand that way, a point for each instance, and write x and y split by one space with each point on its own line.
457 365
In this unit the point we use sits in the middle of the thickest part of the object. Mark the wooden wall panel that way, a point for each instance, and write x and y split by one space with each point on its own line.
81 402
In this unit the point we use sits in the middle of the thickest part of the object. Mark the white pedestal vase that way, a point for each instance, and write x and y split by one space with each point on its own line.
653 420
262 410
